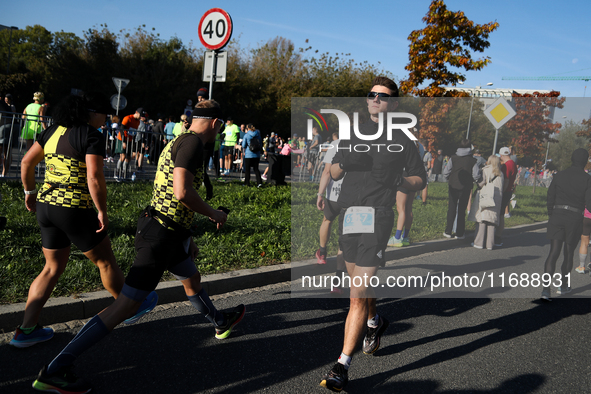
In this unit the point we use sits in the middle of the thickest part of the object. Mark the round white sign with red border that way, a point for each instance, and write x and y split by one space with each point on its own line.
215 29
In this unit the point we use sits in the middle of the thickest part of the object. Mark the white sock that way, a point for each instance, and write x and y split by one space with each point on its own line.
582 259
345 360
373 322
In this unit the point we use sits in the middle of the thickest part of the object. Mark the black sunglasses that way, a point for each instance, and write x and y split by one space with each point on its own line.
373 95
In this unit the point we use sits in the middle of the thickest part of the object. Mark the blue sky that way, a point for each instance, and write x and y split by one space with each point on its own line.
540 38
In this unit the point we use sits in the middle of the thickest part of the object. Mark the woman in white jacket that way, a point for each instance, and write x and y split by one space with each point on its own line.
488 218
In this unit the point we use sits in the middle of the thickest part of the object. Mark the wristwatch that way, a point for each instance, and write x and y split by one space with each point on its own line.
34 191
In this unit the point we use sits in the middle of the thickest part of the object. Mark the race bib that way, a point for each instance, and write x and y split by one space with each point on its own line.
359 220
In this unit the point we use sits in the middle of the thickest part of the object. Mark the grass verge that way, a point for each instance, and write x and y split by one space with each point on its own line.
257 233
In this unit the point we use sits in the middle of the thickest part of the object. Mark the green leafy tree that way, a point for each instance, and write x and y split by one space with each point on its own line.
567 141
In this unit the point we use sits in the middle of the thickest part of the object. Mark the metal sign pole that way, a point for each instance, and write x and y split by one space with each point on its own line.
118 97
213 73
496 137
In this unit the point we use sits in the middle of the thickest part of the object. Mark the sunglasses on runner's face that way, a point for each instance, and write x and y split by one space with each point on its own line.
372 95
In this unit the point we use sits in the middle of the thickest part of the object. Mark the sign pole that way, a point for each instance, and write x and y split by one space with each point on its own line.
215 30
213 73
496 137
118 97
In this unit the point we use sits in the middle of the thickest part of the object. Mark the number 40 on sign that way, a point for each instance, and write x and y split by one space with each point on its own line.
215 29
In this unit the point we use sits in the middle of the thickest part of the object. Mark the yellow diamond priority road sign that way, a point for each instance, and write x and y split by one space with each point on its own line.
499 112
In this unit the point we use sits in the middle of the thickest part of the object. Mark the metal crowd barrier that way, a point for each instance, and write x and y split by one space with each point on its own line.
14 147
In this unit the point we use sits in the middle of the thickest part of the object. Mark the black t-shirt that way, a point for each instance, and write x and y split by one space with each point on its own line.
361 188
83 140
188 153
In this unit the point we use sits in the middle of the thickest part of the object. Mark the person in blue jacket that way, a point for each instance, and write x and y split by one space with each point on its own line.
252 146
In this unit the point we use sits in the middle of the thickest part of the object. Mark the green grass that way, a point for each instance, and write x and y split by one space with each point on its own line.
428 220
257 233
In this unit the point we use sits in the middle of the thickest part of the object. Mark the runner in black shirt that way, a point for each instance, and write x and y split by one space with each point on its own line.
370 185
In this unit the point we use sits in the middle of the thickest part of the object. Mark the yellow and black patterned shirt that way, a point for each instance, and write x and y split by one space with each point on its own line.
184 151
65 151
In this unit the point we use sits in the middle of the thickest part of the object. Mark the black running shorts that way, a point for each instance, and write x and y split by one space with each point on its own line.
331 210
157 249
61 227
228 150
368 250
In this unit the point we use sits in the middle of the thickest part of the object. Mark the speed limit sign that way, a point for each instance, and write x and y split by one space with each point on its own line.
215 29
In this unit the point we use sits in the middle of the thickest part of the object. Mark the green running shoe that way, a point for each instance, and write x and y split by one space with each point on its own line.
232 318
62 382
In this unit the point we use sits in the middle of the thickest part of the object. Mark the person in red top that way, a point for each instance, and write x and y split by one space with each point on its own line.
125 141
509 169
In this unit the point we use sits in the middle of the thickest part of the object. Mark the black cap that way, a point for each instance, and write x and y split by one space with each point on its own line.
203 92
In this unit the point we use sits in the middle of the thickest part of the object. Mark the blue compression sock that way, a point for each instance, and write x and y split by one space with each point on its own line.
203 304
398 233
90 334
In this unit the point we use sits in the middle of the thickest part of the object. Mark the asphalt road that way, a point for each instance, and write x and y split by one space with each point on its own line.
488 344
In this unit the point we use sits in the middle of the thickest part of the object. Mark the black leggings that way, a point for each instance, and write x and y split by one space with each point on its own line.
567 264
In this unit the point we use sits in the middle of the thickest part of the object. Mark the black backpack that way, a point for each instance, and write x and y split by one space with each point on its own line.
255 144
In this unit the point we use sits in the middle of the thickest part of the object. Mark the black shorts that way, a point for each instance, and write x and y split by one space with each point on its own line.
61 227
157 250
368 250
586 226
564 226
228 150
331 210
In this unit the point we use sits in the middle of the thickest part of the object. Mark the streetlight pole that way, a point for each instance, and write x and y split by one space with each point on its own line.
474 90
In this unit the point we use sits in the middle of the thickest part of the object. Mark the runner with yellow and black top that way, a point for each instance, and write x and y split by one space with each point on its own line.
162 242
73 150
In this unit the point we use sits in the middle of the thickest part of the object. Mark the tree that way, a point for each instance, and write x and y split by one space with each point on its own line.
534 124
447 41
568 140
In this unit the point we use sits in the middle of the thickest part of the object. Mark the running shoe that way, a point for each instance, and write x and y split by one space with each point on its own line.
460 236
371 342
232 318
562 290
336 379
264 177
396 242
546 295
61 382
446 235
40 334
321 259
149 303
405 241
580 270
507 215
476 246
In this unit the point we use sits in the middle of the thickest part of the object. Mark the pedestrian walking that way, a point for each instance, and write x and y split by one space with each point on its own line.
568 194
